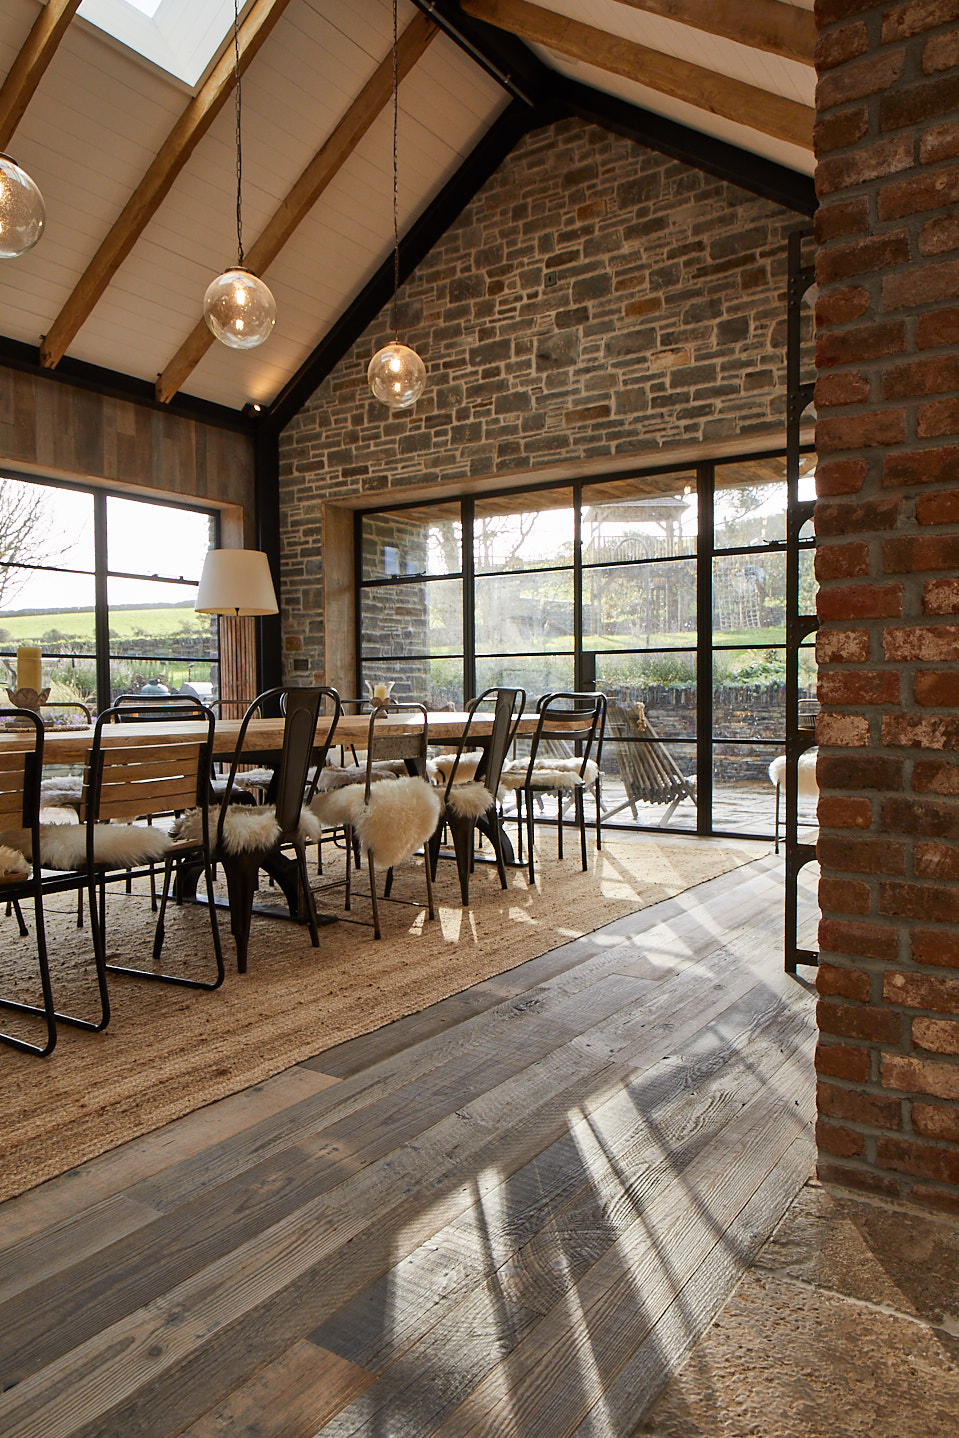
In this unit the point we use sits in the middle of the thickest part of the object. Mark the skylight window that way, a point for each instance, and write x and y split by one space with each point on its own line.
180 36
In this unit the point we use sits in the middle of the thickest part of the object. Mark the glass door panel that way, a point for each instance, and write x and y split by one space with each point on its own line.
524 613
415 619
523 531
632 606
412 541
644 517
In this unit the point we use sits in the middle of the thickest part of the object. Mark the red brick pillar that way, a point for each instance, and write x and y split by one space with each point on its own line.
887 395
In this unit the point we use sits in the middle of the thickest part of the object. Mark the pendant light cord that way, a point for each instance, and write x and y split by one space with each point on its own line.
396 233
239 144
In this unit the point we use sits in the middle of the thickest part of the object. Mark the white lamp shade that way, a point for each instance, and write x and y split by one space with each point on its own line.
236 581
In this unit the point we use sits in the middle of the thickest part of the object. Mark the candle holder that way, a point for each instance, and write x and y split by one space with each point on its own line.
380 692
28 698
25 699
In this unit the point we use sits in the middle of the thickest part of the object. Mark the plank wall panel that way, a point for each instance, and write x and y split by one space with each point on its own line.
54 428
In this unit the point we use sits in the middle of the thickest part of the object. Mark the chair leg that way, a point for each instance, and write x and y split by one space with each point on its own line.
45 1010
581 819
599 818
462 832
241 871
348 838
160 931
98 931
433 846
528 804
306 904
496 839
559 825
430 909
776 846
19 917
376 912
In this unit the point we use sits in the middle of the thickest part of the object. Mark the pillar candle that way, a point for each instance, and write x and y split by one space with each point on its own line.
29 667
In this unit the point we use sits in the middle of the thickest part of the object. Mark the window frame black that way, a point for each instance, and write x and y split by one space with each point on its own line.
101 574
703 645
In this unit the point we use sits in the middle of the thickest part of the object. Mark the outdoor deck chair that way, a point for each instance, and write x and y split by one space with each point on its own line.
650 774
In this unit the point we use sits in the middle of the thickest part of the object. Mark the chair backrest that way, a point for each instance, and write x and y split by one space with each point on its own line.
411 743
577 717
140 777
507 712
71 704
21 768
300 708
137 707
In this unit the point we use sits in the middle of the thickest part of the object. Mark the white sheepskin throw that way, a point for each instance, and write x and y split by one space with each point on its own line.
254 779
57 792
339 806
13 865
440 768
469 801
807 782
246 831
549 773
398 819
118 846
334 777
59 816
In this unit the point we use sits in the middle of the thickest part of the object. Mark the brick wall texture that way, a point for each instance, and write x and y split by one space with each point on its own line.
595 299
887 319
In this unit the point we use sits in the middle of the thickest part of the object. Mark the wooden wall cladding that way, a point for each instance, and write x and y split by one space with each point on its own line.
51 427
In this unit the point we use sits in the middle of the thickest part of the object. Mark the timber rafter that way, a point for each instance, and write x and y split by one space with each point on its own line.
146 199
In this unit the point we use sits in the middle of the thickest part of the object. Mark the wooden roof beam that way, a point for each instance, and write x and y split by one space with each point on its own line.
156 184
326 163
706 89
28 68
769 25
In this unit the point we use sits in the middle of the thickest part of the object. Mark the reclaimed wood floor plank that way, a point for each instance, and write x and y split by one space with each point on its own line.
291 1398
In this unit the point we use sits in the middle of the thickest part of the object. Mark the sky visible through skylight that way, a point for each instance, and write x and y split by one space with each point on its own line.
181 39
145 7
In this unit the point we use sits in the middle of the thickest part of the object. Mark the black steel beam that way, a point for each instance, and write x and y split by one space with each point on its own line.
759 176
515 121
504 57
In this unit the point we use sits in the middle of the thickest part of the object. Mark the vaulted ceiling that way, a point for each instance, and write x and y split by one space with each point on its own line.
138 170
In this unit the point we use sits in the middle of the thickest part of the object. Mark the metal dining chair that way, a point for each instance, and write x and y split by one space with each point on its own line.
248 839
470 802
576 718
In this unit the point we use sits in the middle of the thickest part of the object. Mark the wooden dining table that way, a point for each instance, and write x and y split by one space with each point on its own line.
264 736
263 743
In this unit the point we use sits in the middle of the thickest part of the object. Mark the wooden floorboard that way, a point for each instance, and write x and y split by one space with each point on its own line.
510 1214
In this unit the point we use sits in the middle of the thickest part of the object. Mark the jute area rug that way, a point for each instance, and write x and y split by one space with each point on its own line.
168 1051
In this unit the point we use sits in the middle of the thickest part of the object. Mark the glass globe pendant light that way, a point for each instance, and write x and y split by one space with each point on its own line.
396 374
238 307
22 212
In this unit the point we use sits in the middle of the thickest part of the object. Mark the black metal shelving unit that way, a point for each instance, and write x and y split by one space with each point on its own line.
800 736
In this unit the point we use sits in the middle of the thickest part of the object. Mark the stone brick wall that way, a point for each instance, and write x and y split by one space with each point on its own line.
888 524
594 300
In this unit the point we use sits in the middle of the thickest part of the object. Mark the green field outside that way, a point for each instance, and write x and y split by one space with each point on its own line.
124 624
